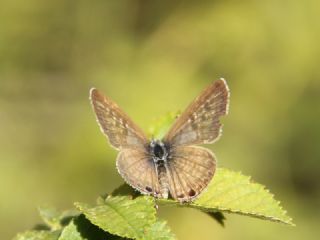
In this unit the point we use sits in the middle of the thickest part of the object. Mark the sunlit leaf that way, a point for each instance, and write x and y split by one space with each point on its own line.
235 193
159 230
122 216
70 232
81 228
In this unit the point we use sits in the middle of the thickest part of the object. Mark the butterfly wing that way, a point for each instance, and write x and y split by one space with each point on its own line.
115 124
138 170
191 168
133 162
199 123
189 171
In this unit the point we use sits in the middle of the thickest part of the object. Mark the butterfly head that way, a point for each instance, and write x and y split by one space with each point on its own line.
158 150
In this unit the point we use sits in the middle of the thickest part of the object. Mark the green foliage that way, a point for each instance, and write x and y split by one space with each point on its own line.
125 214
233 192
81 228
122 216
70 232
126 217
159 230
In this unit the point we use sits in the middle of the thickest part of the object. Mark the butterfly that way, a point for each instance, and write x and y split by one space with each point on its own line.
173 166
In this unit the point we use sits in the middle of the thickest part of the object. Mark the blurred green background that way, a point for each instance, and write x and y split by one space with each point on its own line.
152 57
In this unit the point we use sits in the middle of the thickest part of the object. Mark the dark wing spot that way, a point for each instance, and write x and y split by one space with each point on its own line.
192 193
149 189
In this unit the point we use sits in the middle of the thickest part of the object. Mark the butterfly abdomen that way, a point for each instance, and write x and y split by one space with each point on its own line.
163 180
159 152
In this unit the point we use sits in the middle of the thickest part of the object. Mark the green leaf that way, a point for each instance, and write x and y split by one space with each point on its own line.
81 228
38 235
159 230
70 232
56 219
235 193
122 216
50 216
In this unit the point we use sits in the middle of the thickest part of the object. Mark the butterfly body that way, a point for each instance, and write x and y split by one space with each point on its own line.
159 156
173 166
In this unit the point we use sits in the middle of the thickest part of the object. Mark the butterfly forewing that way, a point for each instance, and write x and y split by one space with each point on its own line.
200 123
115 124
190 170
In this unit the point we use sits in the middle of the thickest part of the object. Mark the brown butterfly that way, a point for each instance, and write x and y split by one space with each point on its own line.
172 165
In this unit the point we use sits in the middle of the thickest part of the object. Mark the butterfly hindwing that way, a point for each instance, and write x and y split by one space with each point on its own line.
189 170
138 170
133 162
